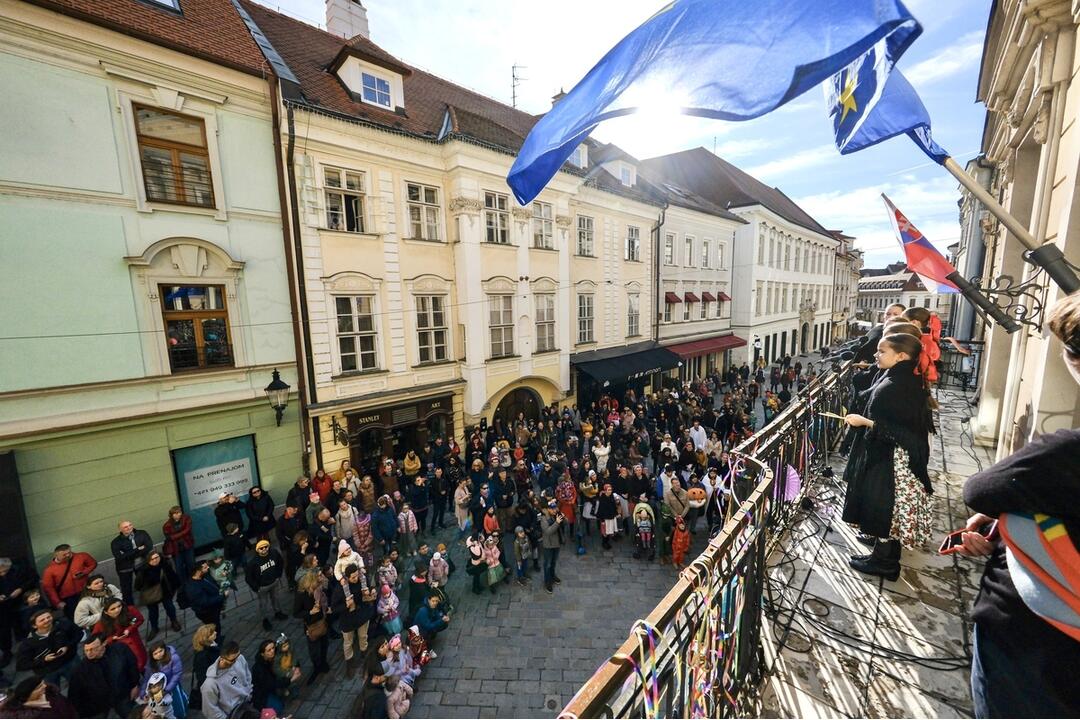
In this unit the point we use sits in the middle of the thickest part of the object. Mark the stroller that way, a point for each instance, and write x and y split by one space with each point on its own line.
644 535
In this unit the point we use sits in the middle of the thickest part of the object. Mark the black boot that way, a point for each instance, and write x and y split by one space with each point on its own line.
884 562
867 540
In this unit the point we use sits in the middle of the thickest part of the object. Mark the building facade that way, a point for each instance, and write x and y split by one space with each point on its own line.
436 302
142 236
845 286
1031 148
877 292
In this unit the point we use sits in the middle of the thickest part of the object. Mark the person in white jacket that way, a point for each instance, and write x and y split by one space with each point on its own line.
94 596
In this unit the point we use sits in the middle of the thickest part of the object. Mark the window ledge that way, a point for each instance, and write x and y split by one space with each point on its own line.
435 363
425 241
633 261
545 352
350 233
583 255
359 373
634 335
503 357
488 243
544 249
582 344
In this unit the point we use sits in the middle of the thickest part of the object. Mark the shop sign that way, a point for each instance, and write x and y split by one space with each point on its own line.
204 485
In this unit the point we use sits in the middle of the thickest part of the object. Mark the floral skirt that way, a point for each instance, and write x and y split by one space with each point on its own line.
913 507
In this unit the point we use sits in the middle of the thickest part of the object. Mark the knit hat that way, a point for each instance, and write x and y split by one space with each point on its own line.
395 642
437 556
519 529
441 547
262 544
385 589
313 495
342 546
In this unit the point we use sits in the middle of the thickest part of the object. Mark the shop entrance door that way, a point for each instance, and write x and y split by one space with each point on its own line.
520 401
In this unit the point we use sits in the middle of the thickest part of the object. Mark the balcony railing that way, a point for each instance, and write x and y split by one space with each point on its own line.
698 653
199 357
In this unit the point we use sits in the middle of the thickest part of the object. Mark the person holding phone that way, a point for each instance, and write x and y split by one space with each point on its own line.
888 486
1022 665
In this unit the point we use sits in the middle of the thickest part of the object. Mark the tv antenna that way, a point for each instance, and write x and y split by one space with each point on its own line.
515 80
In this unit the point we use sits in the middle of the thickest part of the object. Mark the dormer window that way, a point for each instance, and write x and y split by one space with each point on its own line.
626 175
580 157
376 89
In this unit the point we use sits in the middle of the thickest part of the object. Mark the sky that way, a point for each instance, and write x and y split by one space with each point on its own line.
475 43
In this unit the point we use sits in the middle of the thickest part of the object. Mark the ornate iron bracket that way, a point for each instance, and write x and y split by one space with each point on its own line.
341 435
1009 296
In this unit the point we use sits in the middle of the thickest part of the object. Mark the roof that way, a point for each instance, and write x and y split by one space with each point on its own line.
896 281
725 185
211 30
435 109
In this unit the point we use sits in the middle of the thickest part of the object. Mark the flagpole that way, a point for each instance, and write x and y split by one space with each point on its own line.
1047 255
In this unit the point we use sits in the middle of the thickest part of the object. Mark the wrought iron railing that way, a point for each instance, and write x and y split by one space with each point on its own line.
960 370
698 653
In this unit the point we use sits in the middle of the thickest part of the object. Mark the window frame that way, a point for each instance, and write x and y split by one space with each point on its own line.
667 311
196 316
424 207
689 241
704 315
687 311
632 251
504 326
589 233
500 212
175 149
356 334
669 248
633 314
586 322
545 325
345 193
705 252
544 238
430 329
389 92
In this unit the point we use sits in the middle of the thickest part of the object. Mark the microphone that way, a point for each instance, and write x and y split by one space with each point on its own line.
847 355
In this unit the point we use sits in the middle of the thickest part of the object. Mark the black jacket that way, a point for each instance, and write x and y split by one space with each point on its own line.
162 574
32 650
264 682
299 498
257 509
203 594
865 351
898 405
264 571
128 555
226 513
349 620
104 684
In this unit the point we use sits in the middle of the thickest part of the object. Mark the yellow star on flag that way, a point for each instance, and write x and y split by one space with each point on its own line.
847 97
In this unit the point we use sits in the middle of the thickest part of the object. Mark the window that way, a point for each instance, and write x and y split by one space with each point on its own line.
497 218
344 200
796 258
584 319
174 156
376 89
719 305
633 315
356 332
542 226
585 236
545 322
196 326
170 4
760 250
688 247
626 175
762 288
704 309
926 303
501 323
667 312
705 253
431 327
580 156
633 243
686 310
423 202
669 249
721 260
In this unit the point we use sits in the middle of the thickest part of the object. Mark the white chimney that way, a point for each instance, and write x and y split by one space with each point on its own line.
347 18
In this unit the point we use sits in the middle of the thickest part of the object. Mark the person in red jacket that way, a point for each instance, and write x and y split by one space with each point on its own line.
680 542
179 545
120 623
65 577
322 484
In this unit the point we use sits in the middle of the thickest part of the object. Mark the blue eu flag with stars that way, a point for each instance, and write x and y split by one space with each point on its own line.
871 101
725 59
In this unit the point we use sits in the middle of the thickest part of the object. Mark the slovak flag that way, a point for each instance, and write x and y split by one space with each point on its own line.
922 257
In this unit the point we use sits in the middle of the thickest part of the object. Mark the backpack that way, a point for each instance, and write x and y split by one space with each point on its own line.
182 598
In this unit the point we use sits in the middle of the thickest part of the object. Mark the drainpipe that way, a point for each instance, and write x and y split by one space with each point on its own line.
297 252
656 264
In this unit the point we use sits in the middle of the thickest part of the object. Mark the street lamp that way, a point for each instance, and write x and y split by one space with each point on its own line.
277 392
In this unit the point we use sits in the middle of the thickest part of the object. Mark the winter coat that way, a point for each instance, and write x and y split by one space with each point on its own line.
127 552
349 620
367 494
406 522
229 513
265 682
430 621
387 575
178 536
33 649
550 531
399 700
58 581
419 496
172 670
224 690
90 607
132 638
678 501
898 406
97 686
362 540
384 524
345 524
203 594
262 571
257 509
323 486
438 571
151 576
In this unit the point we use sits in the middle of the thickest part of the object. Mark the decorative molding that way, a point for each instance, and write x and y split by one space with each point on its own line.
350 282
585 284
521 214
633 286
169 93
544 285
499 284
428 284
466 206
188 256
563 220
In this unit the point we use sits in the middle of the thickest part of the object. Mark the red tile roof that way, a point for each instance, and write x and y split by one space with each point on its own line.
208 29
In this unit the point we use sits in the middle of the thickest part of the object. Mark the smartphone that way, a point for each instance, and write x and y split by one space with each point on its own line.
954 540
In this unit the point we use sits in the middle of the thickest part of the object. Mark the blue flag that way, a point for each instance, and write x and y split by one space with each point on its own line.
870 101
725 59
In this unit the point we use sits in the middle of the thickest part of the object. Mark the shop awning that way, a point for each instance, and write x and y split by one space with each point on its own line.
723 296
618 365
672 297
708 296
691 298
706 346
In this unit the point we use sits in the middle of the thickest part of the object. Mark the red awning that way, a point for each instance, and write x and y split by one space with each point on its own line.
691 297
709 345
708 296
723 296
672 297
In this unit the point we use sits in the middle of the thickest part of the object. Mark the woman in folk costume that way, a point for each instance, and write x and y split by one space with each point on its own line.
889 492
388 608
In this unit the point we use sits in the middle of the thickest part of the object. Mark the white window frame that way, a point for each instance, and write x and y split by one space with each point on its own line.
705 248
722 256
667 311
342 190
430 309
688 250
376 90
496 218
543 225
669 248
356 333
633 243
501 322
686 311
633 314
173 5
586 236
545 321
704 310
627 175
586 315
429 213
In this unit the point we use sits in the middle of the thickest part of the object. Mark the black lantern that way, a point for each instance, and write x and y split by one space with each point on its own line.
277 392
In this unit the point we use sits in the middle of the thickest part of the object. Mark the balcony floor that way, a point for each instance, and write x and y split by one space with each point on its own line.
862 647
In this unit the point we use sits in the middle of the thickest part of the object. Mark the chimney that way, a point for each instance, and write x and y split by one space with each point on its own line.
347 18
557 97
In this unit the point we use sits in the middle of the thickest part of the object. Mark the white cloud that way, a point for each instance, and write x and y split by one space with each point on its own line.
796 161
731 149
958 56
